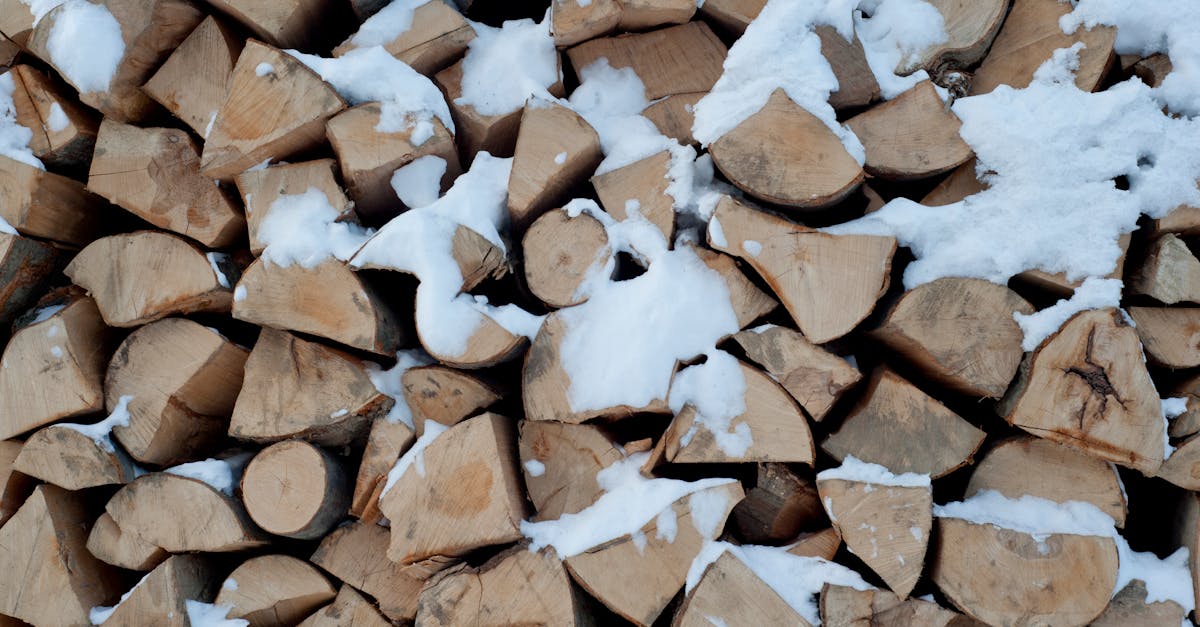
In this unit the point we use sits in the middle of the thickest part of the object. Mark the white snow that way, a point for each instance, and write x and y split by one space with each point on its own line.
303 229
1171 408
262 69
560 158
854 469
1094 293
893 35
260 166
389 382
202 614
39 8
99 614
506 66
716 389
752 247
57 120
43 314
239 293
5 227
666 524
221 474
85 44
415 456
14 138
215 260
390 22
212 119
419 182
716 234
230 584
535 468
101 432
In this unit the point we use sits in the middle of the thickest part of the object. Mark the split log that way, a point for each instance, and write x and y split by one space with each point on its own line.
960 332
970 29
1059 286
144 276
637 15
848 272
912 136
113 546
843 606
1027 39
1170 335
778 507
385 443
641 185
191 83
814 377
16 21
50 578
477 258
556 150
1130 607
823 544
296 490
474 131
674 115
1189 422
489 344
26 269
267 117
64 132
161 597
684 59
53 368
328 300
182 514
14 486
560 462
43 204
572 22
261 188
732 15
960 183
787 156
444 395
749 303
66 457
1183 220
349 609
904 430
1169 273
437 36
296 388
560 254
1088 388
857 86
286 23
731 593
274 591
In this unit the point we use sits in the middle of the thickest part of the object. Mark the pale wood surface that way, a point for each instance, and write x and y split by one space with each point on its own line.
161 598
847 607
113 546
748 301
181 514
730 592
275 590
283 23
191 82
674 115
856 83
47 205
1169 273
970 29
349 609
960 183
645 183
296 489
385 443
732 15
436 38
474 131
560 254
71 460
572 23
14 486
823 544
911 136
1129 607
556 150
1189 422
34 97
1170 335
813 376
637 15
445 395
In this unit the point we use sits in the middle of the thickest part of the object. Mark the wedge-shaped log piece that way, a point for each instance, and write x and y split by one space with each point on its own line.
161 597
26 268
639 15
50 578
144 276
1183 220
274 590
191 83
674 115
778 507
182 514
1182 467
485 508
444 395
960 332
64 131
912 136
16 21
572 22
1059 286
813 376
1169 273
785 155
43 204
287 23
556 150
732 15
113 546
478 259
269 116
970 29
823 544
1030 35
749 303
1170 335
68 458
560 462
1088 388
295 489
682 59
261 188
54 365
904 430
857 86
296 388
436 37
385 443
561 251
489 344
842 606
960 183
828 283
1005 577
15 487
1130 607
641 185
733 594
349 609
474 131
328 300
1188 422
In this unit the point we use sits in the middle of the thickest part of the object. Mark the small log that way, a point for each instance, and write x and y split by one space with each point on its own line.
560 462
970 30
144 276
385 443
1169 273
296 388
849 272
814 377
444 395
637 15
64 131
1189 422
912 136
749 303
261 188
349 609
823 544
787 156
1170 335
182 514
1129 607
673 116
474 131
857 86
274 591
296 490
684 59
556 150
14 486
778 507
732 15
267 117
960 183
285 23
43 204
731 593
560 254
843 606
191 83
478 259
26 269
1153 69
1182 468
572 23
904 430
66 457
161 597
1186 533
113 546
641 185
437 36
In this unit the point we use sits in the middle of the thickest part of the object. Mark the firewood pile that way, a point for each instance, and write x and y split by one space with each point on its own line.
583 312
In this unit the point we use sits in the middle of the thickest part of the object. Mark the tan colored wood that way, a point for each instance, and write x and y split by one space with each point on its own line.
161 597
561 252
260 189
1186 533
732 15
572 22
960 183
1170 335
731 593
50 578
26 269
144 276
16 21
785 155
1029 36
1183 220
1189 422
570 457
1005 577
843 606
113 546
445 395
857 86
556 150
295 489
181 514
274 591
1153 69
54 369
385 443
823 544
778 507
349 609
842 278
65 457
912 136
814 377
901 428
673 116
14 486
970 29
639 15
269 117
1058 285
682 59
641 185
489 344
191 83
437 37
473 131
1182 468
1169 272
282 23
478 259
43 204
749 303
36 99
1129 607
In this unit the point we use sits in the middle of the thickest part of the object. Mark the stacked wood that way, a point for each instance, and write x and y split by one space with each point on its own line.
912 136
191 82
67 130
274 590
436 37
779 506
204 518
474 131
112 546
162 596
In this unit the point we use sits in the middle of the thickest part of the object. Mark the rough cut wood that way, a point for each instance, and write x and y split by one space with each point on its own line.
181 515
1169 273
113 546
65 457
749 303
731 593
960 332
1059 286
1186 533
161 597
274 591
778 507
1189 422
16 21
296 490
1183 220
572 22
682 59
1129 607
349 609
283 23
14 486
560 252
268 117
64 131
556 150
641 184
260 189
50 578
857 86
560 462
787 156
732 15
385 443
814 377
43 204
478 259
823 544
437 37
674 115
1153 69
639 15
1170 335
26 269
143 276
902 429
489 344
911 136
1005 577
960 183
191 83
847 607
970 29
842 278
474 131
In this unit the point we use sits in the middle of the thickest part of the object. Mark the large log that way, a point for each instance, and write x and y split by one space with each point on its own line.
561 253
911 136
1169 273
556 150
730 592
191 83
261 188
182 514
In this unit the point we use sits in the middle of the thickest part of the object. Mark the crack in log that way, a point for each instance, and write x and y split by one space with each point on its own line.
1096 378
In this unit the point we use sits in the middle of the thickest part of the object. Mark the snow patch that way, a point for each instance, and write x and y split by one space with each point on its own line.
390 22
57 120
101 432
854 469
535 468
716 390
221 474
303 229
1094 293
202 614
419 182
14 138
506 66
415 456
85 45
262 69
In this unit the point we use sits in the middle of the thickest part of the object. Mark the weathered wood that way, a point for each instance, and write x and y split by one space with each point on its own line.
474 131
64 132
842 606
65 457
349 609
560 253
14 486
1170 335
1129 607
731 593
814 377
556 150
641 185
385 443
1059 286
1182 468
274 590
912 136
26 269
1186 533
674 115
181 514
477 258
283 23
43 204
191 83
857 86
560 462
572 22
489 344
16 21
161 597
1169 272
639 15
437 36
970 29
260 189
682 59
1153 69
113 546
960 183
778 507
296 490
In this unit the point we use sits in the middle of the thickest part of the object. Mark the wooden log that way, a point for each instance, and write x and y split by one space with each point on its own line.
749 303
51 579
296 490
437 36
14 486
191 82
1187 423
182 514
385 443
560 253
1183 220
1059 286
489 344
1153 69
1087 388
556 150
144 276
641 184
849 272
857 86
66 457
674 115
1169 272
572 23
55 365
113 546
731 593
26 269
260 189
787 156
901 428
960 183
1182 467
842 606
637 15
779 506
683 59
349 609
560 462
1185 532
285 24
162 596
445 395
732 15
477 258
294 388
274 590
267 117
970 29
823 544
814 377
912 136
43 204
64 130
1170 335
1130 607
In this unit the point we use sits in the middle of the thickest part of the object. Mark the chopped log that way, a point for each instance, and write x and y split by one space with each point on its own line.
16 21
474 131
814 377
268 117
749 303
437 36
1182 467
182 514
823 544
349 609
1170 335
556 150
731 593
369 158
50 578
53 368
842 606
787 156
14 486
296 490
261 188
1032 466
385 443
161 597
1169 273
1028 38
489 344
684 59
1059 286
1129 607
560 253
1153 69
144 276
960 332
572 22
1183 220
732 15
64 131
1186 533
294 388
113 546
26 269
904 430
970 29
639 15
641 185
444 395
191 83
285 23
778 507
1088 388
960 183
478 259
274 590
560 462
1005 577
478 456
1189 422
848 272
43 204
70 459
673 116
328 300
912 136
857 86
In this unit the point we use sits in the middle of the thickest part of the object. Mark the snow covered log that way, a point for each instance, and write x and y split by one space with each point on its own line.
113 546
436 36
269 189
642 185
191 83
163 596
